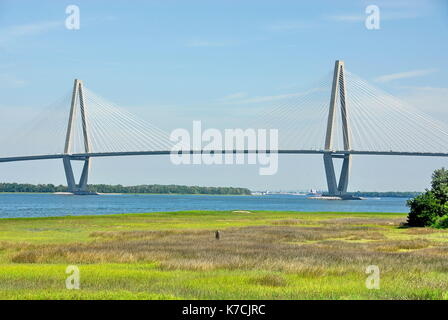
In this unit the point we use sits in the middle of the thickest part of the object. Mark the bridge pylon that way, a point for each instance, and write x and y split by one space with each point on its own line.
338 89
77 96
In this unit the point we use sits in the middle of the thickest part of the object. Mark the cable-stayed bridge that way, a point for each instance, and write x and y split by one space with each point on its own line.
341 116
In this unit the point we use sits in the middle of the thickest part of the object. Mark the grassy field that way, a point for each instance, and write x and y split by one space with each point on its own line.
261 255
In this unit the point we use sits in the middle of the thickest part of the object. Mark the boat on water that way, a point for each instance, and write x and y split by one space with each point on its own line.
314 193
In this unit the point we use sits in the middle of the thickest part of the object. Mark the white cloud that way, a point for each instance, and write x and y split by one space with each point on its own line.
206 43
289 26
9 81
362 16
243 99
270 98
13 32
432 100
347 18
234 96
404 75
402 4
398 13
260 99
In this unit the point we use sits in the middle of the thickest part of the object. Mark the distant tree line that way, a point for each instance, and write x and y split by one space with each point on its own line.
26 187
167 189
401 194
105 188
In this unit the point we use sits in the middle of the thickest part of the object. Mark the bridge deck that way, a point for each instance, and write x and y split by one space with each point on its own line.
82 156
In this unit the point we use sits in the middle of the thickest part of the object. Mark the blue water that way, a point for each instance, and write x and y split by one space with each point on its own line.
50 205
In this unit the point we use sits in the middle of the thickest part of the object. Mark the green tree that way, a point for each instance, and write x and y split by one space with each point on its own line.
424 210
439 185
431 207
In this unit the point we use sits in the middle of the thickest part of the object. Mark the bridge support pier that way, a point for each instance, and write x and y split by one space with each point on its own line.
337 188
71 184
330 174
81 187
345 173
338 90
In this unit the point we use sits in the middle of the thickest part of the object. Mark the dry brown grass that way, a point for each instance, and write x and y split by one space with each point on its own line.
398 245
290 222
341 246
270 280
417 231
7 245
365 221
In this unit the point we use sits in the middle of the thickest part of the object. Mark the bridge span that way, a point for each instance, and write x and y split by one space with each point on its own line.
418 131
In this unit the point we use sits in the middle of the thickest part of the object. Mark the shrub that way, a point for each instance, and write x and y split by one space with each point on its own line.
431 207
441 222
424 210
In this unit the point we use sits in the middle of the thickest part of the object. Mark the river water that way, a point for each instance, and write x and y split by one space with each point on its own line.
51 205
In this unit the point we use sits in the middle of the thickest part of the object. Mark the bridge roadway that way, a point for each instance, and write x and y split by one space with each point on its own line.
334 153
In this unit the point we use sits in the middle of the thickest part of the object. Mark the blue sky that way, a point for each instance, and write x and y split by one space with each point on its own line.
175 61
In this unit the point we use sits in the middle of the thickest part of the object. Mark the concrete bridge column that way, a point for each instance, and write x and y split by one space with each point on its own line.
338 87
81 187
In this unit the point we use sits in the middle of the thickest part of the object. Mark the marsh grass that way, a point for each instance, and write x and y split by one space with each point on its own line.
276 248
271 280
273 255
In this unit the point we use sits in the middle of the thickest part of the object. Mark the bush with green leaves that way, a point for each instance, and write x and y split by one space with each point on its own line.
430 209
441 222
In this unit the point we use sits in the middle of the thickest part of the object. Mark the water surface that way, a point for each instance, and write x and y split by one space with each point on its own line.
51 205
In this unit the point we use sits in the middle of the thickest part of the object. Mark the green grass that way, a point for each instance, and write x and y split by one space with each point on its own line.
261 255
